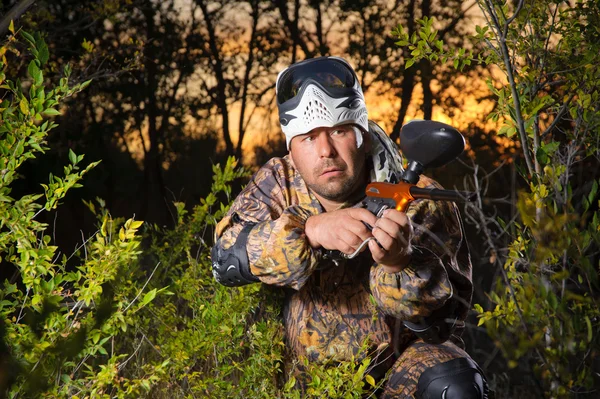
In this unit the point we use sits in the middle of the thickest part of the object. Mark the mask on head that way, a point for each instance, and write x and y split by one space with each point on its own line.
320 92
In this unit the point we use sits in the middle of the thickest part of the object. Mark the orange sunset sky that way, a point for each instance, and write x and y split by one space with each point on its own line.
264 126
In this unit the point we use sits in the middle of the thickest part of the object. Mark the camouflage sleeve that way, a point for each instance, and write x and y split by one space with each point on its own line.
278 251
440 268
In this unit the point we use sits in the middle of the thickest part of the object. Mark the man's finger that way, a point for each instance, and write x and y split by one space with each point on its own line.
376 252
390 227
363 215
350 238
359 228
384 239
401 219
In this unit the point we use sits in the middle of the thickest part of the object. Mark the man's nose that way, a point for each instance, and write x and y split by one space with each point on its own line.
325 146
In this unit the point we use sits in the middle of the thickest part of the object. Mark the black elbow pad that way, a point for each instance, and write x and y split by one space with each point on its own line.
231 266
438 327
432 332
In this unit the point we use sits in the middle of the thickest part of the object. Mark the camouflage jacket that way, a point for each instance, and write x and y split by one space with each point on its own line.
330 310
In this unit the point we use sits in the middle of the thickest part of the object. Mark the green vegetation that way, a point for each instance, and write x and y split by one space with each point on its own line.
111 320
543 313
135 312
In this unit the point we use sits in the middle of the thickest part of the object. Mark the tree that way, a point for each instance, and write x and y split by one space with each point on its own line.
545 308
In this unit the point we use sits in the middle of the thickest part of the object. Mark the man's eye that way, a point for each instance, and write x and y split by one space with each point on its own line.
338 132
308 138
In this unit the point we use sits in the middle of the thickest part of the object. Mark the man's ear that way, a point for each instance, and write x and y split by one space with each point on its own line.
291 156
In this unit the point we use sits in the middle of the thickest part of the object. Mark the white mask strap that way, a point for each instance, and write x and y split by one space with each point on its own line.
359 136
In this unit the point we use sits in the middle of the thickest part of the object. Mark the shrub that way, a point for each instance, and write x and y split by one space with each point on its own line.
116 318
544 313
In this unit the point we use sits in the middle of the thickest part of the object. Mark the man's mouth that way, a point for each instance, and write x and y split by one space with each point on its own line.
331 172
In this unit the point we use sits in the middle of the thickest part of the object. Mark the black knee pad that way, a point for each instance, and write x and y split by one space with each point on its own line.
455 379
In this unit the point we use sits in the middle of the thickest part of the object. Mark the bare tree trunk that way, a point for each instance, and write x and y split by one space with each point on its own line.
217 65
408 79
443 32
323 48
249 63
296 35
426 73
364 56
292 26
408 85
14 13
152 207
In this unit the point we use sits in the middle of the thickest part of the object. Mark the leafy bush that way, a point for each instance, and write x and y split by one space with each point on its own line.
118 318
545 314
220 341
60 314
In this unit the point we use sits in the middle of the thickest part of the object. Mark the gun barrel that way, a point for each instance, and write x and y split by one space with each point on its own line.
442 195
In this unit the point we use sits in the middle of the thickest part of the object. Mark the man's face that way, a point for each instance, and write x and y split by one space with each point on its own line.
329 162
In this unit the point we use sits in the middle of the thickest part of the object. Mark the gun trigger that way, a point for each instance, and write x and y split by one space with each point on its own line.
383 208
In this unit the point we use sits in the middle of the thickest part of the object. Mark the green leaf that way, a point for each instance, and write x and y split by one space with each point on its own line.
409 63
95 336
43 55
72 157
24 106
589 328
38 78
19 149
593 192
551 147
136 224
33 69
11 27
85 84
28 37
370 380
481 321
316 382
150 295
542 156
50 112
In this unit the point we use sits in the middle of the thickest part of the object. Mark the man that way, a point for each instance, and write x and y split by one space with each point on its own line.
298 208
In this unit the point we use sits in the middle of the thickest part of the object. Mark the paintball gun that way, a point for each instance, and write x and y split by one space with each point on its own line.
426 144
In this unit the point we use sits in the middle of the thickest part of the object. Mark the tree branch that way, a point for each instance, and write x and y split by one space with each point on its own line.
509 20
455 21
14 13
513 86
558 117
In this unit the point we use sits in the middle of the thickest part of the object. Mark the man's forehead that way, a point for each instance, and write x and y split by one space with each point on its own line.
347 126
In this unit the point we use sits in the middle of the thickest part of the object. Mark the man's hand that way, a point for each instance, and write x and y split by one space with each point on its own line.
341 230
393 231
